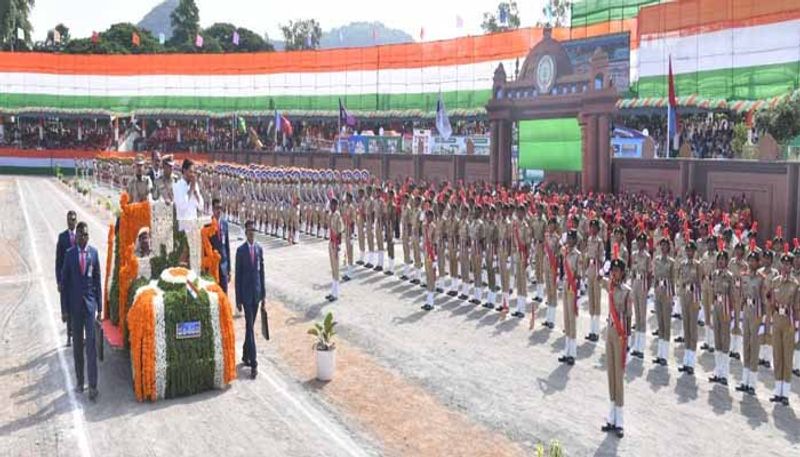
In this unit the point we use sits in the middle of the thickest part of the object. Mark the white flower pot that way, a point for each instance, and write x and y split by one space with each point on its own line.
326 364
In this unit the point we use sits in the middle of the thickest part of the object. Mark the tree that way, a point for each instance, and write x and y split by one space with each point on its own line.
116 40
14 15
185 23
301 34
556 13
493 23
249 41
63 30
783 121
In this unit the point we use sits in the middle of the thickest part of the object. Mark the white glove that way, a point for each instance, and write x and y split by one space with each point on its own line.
761 329
606 267
733 323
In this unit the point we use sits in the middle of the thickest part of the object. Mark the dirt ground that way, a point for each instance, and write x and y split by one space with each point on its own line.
455 381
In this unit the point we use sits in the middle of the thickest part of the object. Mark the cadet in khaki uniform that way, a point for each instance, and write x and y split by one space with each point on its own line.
463 252
538 225
490 249
405 236
619 311
737 267
348 218
140 186
378 209
476 255
416 235
708 262
689 277
504 243
453 244
552 240
361 220
572 268
593 260
765 337
796 275
336 228
428 233
754 290
163 186
522 244
664 290
640 277
440 240
722 296
369 211
390 220
783 316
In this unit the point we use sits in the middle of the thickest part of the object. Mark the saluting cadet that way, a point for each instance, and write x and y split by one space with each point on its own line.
754 291
640 278
428 233
783 314
619 311
552 240
689 276
522 243
664 289
722 296
336 227
594 257
572 268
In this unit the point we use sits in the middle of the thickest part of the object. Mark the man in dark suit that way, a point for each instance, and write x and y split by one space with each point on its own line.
66 240
221 244
250 291
80 283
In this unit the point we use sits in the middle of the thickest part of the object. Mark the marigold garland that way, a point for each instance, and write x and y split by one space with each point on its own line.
133 217
228 333
211 258
109 258
140 323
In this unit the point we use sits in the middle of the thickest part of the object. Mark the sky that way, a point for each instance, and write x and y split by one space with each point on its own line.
437 17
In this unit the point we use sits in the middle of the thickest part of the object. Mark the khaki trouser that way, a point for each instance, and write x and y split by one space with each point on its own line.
737 310
491 277
639 286
782 346
521 277
417 253
663 311
707 298
550 286
689 310
360 234
430 274
379 236
405 236
593 289
722 328
441 258
569 313
539 262
333 253
389 231
751 343
502 261
452 251
371 235
348 247
463 257
476 261
614 360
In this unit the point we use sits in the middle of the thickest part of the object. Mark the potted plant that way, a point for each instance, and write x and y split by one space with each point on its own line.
325 347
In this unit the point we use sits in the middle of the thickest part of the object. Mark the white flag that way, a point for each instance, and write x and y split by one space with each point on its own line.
20 33
442 121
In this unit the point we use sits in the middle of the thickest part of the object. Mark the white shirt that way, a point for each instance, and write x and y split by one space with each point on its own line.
186 205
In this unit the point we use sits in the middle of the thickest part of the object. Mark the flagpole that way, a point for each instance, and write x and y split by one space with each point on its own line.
667 153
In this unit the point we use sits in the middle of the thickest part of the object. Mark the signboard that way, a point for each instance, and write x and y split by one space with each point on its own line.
617 46
422 142
187 330
367 144
627 147
479 145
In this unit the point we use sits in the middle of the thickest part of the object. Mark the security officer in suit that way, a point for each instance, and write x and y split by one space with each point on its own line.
80 283
221 243
140 187
66 240
250 291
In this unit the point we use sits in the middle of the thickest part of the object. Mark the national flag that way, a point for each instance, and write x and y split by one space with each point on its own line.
503 15
198 40
242 125
283 125
162 38
672 110
235 38
442 121
95 37
344 116
459 21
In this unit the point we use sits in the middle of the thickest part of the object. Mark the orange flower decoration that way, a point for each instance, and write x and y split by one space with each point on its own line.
211 258
133 217
142 338
109 257
228 334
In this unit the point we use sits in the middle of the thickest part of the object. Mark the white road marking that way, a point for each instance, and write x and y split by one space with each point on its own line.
78 420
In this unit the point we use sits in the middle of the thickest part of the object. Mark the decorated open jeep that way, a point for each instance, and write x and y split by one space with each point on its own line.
165 307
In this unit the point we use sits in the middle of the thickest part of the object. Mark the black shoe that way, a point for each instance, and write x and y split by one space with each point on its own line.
620 432
69 341
331 298
690 371
705 347
676 316
679 339
369 265
245 362
594 337
682 368
637 354
475 301
378 268
93 393
463 297
423 285
714 379
414 281
734 355
742 388
452 293
550 325
360 262
563 359
388 273
571 360
79 388
657 361
723 381
427 307
796 372
785 401
655 333
701 324
608 428
439 290
775 399
751 391
537 298
498 308
488 305
346 278
403 277
767 364
518 314
253 372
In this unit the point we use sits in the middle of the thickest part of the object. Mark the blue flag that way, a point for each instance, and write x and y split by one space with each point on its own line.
442 121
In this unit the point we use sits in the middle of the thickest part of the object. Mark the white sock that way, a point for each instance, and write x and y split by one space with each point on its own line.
380 259
701 317
521 304
491 297
796 364
745 377
551 314
430 298
567 347
573 348
612 416
778 389
360 256
620 422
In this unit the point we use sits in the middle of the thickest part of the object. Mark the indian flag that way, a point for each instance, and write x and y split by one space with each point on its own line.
723 49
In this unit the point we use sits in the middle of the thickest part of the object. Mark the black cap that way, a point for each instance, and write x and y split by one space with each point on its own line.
787 257
754 255
722 254
641 237
691 245
618 264
594 223
664 240
572 234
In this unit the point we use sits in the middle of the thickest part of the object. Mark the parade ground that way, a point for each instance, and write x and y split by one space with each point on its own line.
458 380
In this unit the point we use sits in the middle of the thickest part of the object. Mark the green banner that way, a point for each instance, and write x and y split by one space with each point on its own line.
550 144
588 12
